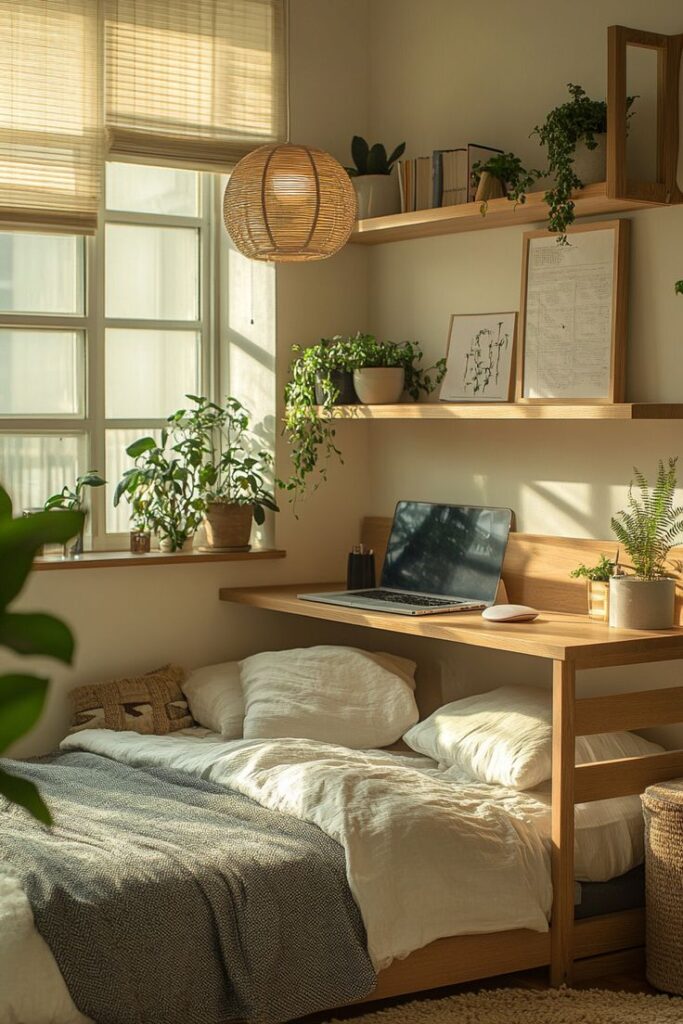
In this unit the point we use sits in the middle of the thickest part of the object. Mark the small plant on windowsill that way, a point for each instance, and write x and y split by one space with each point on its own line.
503 174
162 490
71 500
231 469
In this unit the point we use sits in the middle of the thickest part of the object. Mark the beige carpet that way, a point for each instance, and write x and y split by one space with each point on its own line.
522 1006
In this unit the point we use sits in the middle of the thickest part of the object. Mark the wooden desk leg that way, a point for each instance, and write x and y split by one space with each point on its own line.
562 832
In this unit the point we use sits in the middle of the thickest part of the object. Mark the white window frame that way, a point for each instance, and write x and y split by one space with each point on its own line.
93 425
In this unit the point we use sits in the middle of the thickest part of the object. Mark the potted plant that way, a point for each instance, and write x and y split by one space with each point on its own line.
167 489
72 501
309 410
503 174
647 530
231 469
134 487
597 579
377 191
575 137
383 370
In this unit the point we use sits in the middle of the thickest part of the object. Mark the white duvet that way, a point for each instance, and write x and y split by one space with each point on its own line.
429 853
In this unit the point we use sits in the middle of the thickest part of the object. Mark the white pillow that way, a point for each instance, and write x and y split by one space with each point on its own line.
505 737
214 694
332 694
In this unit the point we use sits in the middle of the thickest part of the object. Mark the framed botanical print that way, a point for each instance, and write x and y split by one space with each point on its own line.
480 358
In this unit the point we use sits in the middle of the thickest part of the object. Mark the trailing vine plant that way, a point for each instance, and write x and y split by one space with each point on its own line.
514 178
578 120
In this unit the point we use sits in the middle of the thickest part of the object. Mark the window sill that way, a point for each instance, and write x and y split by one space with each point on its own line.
119 559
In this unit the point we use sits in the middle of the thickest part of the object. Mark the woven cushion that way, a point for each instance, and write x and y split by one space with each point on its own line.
151 703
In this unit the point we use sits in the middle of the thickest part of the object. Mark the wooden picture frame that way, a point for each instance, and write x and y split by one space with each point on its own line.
495 337
544 365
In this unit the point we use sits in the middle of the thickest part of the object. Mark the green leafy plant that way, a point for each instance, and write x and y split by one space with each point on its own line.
577 121
679 287
216 441
372 159
27 633
309 423
72 500
599 573
651 524
508 169
164 487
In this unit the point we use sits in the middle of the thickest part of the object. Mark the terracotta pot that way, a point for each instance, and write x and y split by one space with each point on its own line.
379 385
228 527
641 604
598 600
377 195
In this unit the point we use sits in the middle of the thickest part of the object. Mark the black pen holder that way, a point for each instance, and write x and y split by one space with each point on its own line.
360 570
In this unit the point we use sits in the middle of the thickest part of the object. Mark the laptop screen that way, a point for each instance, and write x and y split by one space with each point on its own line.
449 550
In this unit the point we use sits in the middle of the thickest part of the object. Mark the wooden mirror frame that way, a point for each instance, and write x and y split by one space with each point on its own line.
664 190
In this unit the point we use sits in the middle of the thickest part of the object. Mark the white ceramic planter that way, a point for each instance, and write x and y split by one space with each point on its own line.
377 195
591 164
379 385
641 604
166 546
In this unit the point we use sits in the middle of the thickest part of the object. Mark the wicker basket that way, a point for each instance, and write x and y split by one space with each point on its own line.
663 808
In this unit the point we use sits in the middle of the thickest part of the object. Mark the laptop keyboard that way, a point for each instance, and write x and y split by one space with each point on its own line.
415 599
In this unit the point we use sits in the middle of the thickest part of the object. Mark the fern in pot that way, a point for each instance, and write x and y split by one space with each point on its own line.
231 469
647 530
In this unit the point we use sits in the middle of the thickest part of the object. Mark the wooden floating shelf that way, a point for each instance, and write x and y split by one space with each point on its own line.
446 220
508 411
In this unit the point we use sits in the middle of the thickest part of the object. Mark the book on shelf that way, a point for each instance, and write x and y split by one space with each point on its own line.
442 179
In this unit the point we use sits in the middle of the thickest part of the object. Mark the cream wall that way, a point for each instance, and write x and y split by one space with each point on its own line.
442 74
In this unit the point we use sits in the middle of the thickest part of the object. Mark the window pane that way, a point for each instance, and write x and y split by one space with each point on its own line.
152 273
41 273
161 190
117 462
148 373
32 467
41 372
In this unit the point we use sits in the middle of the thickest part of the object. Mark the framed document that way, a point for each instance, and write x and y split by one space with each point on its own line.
479 358
573 315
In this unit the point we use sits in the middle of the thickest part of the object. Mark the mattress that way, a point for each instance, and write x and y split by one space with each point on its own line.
626 892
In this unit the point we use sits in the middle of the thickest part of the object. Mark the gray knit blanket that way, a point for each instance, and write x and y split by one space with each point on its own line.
165 898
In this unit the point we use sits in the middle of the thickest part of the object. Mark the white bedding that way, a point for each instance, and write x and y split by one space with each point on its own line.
429 853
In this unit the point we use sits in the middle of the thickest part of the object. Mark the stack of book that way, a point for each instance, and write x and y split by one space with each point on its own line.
442 179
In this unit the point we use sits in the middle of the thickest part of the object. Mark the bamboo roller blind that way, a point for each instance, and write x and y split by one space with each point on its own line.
198 83
50 114
186 83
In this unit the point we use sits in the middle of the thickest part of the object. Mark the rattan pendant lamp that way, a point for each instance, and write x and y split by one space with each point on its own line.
287 203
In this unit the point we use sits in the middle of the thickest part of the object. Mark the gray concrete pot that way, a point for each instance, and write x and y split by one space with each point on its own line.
641 604
377 195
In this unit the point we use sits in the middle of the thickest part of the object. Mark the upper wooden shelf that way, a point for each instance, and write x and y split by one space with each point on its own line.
509 411
446 220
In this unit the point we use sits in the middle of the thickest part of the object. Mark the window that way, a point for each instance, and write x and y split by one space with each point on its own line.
101 338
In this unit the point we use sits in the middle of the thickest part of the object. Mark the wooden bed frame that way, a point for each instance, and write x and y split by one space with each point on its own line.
536 572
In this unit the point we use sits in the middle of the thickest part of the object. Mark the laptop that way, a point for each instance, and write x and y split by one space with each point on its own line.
440 558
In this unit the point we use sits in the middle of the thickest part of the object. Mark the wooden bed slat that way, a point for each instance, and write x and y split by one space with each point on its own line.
562 827
596 935
463 958
628 711
626 776
625 961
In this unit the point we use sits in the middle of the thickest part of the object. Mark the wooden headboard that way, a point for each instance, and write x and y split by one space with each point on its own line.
536 567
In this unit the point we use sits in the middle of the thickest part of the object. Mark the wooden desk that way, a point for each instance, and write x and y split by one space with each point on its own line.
536 573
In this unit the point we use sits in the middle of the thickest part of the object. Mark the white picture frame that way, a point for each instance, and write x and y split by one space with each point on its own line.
480 358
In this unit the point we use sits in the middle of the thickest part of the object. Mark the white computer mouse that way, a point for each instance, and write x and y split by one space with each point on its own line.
509 613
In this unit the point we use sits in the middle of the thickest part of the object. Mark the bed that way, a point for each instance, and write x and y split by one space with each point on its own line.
423 848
